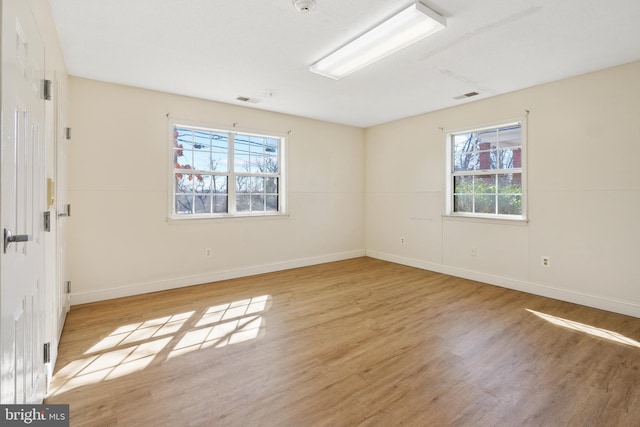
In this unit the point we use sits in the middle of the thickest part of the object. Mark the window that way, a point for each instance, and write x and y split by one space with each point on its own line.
486 172
221 173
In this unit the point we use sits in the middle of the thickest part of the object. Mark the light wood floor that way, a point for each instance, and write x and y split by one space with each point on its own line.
357 342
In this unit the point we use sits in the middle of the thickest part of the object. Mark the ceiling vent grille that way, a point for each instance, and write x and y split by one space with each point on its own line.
247 99
466 95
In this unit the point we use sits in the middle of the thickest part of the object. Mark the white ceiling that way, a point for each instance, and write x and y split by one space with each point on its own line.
262 49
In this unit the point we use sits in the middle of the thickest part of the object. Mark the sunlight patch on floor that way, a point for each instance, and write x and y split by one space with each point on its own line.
133 347
587 329
136 332
219 335
107 365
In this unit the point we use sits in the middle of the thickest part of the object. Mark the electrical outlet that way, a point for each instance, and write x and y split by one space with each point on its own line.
545 261
207 252
402 240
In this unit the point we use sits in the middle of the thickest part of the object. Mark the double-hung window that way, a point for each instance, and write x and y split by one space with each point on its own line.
486 172
222 173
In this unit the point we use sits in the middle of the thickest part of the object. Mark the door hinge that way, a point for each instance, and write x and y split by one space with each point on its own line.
47 221
47 352
47 88
66 212
67 286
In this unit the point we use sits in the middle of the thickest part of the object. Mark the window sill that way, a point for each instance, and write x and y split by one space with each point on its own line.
229 218
486 219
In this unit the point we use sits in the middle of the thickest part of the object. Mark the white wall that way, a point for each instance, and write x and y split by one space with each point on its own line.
584 193
120 240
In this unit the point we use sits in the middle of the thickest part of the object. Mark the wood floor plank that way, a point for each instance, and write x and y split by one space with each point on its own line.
357 342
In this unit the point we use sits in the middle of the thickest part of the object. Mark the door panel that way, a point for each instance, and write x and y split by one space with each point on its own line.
21 207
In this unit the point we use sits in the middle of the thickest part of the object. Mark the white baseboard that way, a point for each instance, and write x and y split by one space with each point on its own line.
603 303
180 282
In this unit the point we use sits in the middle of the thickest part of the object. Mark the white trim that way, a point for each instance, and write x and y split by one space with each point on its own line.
200 219
504 219
522 122
180 282
231 174
595 301
485 125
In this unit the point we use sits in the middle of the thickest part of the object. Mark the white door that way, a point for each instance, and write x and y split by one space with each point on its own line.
21 207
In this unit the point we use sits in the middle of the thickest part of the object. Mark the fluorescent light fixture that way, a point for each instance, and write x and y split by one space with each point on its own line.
407 27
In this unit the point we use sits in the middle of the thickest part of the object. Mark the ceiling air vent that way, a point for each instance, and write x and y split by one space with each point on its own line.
246 99
466 95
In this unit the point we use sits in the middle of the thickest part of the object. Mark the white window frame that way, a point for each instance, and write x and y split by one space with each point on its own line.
450 174
231 174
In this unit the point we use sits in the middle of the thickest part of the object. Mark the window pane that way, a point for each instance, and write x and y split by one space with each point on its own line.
242 162
182 138
485 184
257 203
243 184
271 165
464 161
182 159
202 161
242 144
256 154
271 146
510 183
271 185
511 158
463 143
202 204
485 203
510 136
257 144
200 184
255 164
486 142
486 139
201 140
272 203
182 135
220 162
510 205
487 160
219 204
259 164
182 155
219 141
183 203
184 183
463 184
257 184
243 203
219 184
463 203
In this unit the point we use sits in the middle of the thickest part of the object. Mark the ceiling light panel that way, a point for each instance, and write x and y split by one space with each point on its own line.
407 27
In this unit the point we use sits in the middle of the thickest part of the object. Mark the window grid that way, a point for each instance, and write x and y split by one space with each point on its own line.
225 173
486 172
